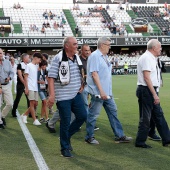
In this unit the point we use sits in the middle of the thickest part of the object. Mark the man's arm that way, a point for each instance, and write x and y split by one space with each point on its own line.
26 83
20 76
147 79
51 98
98 84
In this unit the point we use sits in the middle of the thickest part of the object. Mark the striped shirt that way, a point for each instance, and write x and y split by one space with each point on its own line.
69 91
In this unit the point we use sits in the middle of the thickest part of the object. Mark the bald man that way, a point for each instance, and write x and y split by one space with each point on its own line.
147 93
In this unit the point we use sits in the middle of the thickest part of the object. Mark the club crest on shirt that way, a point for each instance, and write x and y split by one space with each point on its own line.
63 69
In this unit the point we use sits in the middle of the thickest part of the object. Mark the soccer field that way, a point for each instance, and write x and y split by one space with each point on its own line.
16 155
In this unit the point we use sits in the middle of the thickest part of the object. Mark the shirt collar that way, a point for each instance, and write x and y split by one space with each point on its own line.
150 54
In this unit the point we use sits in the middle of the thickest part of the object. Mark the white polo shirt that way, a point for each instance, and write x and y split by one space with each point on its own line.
148 62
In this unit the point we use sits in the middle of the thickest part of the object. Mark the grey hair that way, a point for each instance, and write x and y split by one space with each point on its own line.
66 40
152 43
102 40
23 56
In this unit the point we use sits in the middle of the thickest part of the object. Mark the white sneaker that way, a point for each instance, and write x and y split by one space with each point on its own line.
24 118
36 122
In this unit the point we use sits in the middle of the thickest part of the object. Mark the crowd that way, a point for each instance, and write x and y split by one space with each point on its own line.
70 80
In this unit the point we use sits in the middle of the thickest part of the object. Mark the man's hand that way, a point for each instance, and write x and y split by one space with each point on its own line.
26 91
103 96
50 101
7 79
156 99
0 91
81 89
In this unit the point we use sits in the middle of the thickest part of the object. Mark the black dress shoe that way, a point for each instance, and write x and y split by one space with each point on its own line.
2 126
66 153
51 130
154 137
70 148
143 146
166 143
14 115
4 122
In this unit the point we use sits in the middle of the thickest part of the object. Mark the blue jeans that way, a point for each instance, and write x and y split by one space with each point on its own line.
84 95
111 110
76 105
148 109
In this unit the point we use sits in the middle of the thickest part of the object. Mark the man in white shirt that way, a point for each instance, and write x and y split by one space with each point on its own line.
31 87
147 93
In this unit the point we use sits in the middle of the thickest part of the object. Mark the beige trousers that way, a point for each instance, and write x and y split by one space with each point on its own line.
8 98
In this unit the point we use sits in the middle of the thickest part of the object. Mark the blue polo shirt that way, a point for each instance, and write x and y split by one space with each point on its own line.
100 64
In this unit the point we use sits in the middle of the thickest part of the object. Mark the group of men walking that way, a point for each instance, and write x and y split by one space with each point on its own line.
71 78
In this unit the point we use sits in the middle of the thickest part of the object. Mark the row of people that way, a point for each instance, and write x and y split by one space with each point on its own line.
70 88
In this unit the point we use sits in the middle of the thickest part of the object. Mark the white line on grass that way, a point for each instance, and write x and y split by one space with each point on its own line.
33 147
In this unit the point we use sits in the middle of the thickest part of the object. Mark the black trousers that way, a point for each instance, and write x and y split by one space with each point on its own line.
148 109
20 90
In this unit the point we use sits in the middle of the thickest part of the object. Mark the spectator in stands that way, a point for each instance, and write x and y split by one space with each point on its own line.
44 25
46 16
126 66
45 12
107 7
120 6
48 25
102 20
122 30
169 32
35 28
77 7
95 7
2 30
51 15
19 6
43 29
77 30
127 5
61 25
166 6
55 25
63 32
15 6
74 7
31 28
116 60
101 7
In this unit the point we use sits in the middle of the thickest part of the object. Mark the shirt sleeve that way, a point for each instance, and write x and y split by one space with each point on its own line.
27 69
11 73
53 71
19 67
146 65
94 63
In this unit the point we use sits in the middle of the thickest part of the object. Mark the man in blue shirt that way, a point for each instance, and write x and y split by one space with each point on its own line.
99 85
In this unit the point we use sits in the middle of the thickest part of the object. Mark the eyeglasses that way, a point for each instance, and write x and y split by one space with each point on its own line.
107 44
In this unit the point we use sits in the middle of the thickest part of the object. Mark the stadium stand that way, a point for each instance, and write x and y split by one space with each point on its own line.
26 17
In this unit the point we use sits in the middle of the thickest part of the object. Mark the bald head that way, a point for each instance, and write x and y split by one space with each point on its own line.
70 46
154 46
152 43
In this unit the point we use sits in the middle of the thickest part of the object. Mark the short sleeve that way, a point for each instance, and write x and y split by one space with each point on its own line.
93 63
27 69
53 71
19 67
146 64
